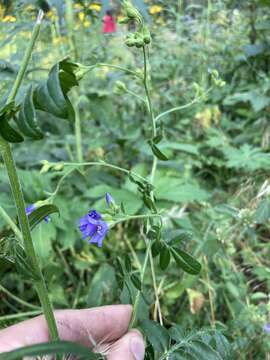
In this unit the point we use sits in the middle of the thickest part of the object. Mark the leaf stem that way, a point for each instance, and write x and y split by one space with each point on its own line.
11 223
19 199
182 107
99 163
117 67
152 175
20 301
78 135
134 217
26 58
137 299
20 315
147 92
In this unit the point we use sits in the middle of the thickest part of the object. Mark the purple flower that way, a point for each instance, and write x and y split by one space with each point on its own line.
109 199
92 226
267 328
29 209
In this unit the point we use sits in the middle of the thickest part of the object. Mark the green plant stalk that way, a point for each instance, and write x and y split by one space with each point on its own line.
153 170
135 217
117 67
137 299
11 223
147 92
20 315
78 135
20 301
70 28
25 59
19 200
73 47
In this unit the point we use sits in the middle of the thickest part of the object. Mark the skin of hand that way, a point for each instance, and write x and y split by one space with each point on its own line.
103 329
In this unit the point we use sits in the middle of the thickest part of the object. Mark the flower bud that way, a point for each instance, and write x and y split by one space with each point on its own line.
46 166
120 87
58 167
109 199
131 11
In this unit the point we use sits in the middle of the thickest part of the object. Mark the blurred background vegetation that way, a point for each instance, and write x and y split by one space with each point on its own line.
215 186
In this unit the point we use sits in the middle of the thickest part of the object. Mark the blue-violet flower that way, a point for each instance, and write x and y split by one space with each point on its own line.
267 328
92 226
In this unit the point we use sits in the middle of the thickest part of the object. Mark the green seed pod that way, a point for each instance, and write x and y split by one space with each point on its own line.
139 43
120 86
132 12
147 39
129 42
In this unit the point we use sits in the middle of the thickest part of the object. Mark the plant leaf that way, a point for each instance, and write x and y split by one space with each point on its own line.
54 347
157 335
157 152
164 258
27 118
40 213
186 261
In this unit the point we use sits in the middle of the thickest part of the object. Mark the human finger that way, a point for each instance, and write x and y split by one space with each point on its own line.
87 326
128 347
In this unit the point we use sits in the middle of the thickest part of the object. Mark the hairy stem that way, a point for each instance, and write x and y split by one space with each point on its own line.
147 92
152 175
19 200
78 135
20 315
26 59
11 223
18 300
137 299
135 217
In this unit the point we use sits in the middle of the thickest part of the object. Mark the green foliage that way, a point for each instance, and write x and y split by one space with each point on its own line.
211 183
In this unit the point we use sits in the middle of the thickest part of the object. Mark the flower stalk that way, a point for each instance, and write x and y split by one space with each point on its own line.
17 193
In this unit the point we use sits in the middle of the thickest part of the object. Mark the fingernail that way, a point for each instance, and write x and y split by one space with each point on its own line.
137 347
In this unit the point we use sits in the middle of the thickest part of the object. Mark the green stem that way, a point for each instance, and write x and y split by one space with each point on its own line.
11 223
137 299
93 163
26 59
20 315
182 107
91 67
134 217
20 301
152 176
147 92
70 27
97 163
19 200
136 96
78 135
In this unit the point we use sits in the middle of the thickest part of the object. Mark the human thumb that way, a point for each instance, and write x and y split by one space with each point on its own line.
128 347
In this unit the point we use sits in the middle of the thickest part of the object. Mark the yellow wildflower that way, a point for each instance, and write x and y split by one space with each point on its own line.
9 18
87 23
208 117
96 7
155 9
78 6
81 16
51 15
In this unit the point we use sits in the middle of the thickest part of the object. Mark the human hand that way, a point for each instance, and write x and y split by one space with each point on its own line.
103 328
